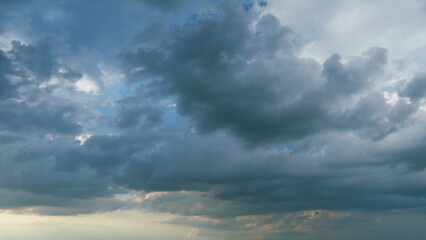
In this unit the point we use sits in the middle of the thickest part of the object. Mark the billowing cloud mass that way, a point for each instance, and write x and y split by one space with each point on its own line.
213 111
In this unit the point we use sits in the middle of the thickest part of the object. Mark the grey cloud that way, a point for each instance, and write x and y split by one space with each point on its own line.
37 59
35 125
5 70
132 112
25 106
9 9
28 165
344 79
18 201
412 156
29 178
225 75
249 82
5 139
47 119
416 88
216 78
163 5
373 117
234 180
422 3
320 136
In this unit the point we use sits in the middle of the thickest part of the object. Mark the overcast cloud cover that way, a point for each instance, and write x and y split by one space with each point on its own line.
244 119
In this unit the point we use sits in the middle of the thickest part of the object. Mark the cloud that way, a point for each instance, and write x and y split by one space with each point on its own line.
163 5
317 224
227 179
38 120
416 88
221 117
251 82
27 105
249 87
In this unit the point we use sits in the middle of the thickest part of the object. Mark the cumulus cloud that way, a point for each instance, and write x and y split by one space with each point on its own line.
416 88
251 82
219 116
240 73
24 102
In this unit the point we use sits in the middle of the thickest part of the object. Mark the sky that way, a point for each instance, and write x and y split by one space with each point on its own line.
213 119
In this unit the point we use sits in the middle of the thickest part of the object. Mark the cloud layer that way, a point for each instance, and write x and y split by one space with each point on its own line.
205 109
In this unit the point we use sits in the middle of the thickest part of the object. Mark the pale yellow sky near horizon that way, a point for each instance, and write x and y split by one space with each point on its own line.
127 225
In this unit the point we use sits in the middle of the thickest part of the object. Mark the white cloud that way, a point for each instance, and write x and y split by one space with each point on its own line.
86 84
348 27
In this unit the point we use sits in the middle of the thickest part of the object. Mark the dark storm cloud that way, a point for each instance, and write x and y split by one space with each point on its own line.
132 112
24 106
42 118
232 180
164 5
225 75
238 77
5 69
35 124
416 88
36 59
250 82
412 155
56 205
28 177
41 111
349 78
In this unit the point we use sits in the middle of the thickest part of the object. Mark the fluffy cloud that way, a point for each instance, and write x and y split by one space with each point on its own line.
219 116
252 83
24 70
